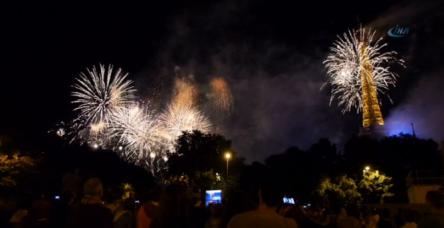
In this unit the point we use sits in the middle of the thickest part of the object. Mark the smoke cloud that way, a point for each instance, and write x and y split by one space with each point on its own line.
423 108
277 100
275 82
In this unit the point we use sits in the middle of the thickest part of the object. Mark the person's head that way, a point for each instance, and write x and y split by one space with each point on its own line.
175 200
435 199
174 207
269 194
93 188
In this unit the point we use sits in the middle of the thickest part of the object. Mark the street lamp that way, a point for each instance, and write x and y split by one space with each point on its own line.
95 146
227 156
366 169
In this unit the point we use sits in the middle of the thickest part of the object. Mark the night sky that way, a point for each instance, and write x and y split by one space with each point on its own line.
270 52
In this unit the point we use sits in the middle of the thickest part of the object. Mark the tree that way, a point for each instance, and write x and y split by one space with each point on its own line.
306 168
397 156
340 192
375 186
12 167
323 149
199 156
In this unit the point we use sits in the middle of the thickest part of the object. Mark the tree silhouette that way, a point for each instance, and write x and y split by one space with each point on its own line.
199 156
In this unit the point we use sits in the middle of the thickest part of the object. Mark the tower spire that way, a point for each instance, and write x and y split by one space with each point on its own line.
371 112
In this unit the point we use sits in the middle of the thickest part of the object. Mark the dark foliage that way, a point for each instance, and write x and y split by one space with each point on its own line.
201 152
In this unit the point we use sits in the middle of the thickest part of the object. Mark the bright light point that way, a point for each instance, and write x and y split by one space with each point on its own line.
165 158
60 132
120 147
367 168
152 155
227 155
95 146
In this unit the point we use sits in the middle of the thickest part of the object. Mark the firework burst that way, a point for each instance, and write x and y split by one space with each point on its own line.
138 131
110 118
345 64
179 118
185 92
98 92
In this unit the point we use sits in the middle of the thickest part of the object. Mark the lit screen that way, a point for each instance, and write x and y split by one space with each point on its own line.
213 197
288 200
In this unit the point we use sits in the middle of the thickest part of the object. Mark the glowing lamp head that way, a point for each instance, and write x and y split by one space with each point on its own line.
366 168
152 155
95 146
227 155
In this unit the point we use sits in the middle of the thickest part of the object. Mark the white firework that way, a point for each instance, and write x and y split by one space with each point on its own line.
138 133
109 118
179 118
98 92
345 63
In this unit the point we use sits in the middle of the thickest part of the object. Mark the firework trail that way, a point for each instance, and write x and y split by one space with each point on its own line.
346 61
221 94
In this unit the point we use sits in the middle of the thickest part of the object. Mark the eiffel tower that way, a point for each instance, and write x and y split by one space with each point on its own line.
371 112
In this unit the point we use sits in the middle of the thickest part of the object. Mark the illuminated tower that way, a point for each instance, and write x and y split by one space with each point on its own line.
371 112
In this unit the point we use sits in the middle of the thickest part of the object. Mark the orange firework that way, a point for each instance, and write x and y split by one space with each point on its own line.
221 94
185 93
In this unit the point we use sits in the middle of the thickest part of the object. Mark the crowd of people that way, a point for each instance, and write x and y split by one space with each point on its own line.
175 205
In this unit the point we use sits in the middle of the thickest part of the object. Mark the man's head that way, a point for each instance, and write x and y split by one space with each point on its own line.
93 188
269 194
436 199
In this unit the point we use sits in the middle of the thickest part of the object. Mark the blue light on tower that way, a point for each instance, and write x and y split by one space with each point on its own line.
399 127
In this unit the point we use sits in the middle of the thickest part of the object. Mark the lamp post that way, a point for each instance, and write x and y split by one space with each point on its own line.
227 156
